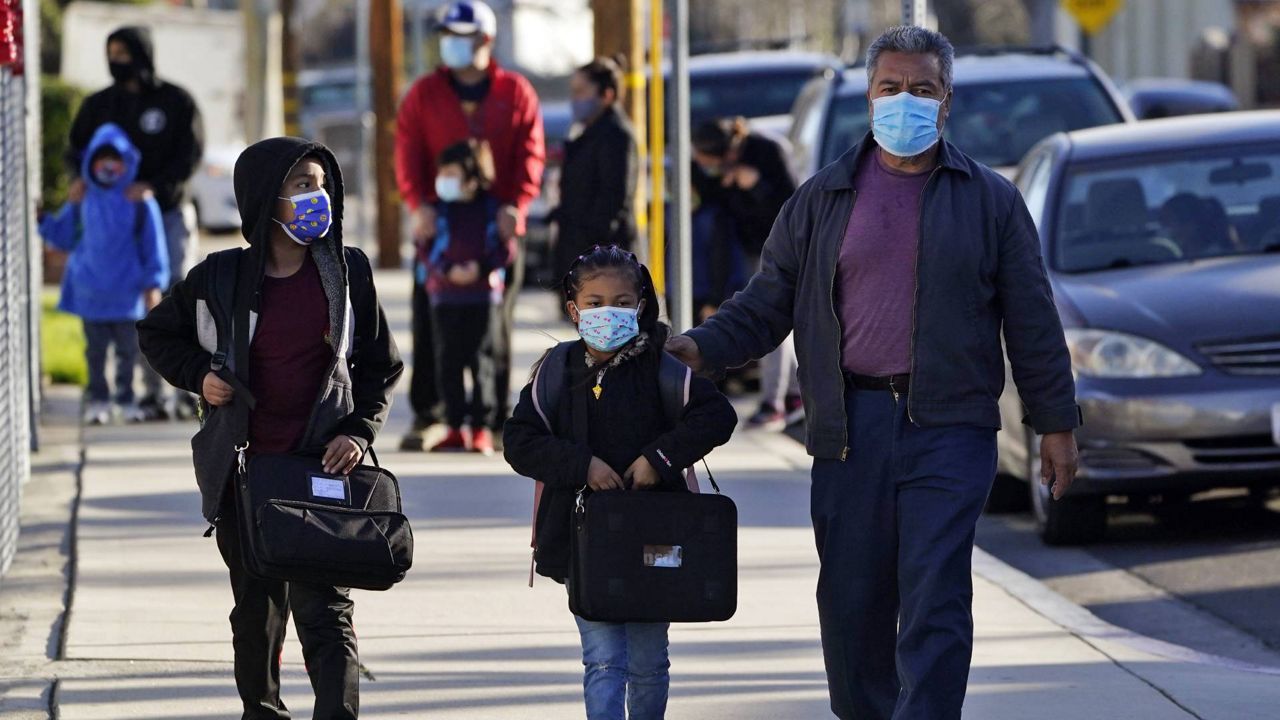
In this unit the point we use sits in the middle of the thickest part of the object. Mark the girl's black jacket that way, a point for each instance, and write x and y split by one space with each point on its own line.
625 423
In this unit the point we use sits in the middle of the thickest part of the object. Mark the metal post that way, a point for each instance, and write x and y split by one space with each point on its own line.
364 168
681 291
657 152
915 12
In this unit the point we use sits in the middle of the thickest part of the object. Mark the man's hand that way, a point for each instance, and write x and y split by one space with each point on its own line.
151 298
464 274
1059 460
75 191
341 455
508 219
686 351
743 176
215 391
602 477
424 223
641 474
139 191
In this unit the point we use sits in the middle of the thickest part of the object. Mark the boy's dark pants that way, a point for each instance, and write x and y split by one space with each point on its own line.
463 336
322 617
894 525
99 337
499 351
424 398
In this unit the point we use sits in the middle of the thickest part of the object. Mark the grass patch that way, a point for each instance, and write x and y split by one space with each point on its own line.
61 343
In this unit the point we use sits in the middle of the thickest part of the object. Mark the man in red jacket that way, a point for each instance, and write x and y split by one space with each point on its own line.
470 96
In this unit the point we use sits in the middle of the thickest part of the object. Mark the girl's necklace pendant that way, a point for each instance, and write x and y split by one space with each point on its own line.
599 388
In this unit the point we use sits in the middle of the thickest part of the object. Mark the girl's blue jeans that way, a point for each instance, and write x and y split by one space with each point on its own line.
626 666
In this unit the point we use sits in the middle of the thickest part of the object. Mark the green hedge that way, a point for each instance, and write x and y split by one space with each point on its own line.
58 104
61 343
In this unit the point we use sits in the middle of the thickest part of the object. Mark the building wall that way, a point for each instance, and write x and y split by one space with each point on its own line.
1151 38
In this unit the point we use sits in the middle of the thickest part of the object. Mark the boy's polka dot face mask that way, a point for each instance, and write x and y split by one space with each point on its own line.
312 217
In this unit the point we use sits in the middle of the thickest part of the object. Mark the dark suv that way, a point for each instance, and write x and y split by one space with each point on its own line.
1005 101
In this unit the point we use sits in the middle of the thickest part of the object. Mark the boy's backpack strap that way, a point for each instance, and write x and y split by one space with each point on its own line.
675 381
220 289
549 381
219 294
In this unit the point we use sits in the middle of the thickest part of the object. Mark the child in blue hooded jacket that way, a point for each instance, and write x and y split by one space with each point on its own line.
119 262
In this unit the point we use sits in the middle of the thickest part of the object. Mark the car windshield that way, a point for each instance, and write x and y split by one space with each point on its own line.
994 123
750 94
1169 208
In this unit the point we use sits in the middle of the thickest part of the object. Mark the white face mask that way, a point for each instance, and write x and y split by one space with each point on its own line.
449 188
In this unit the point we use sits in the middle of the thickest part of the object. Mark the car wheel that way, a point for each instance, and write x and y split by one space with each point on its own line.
1073 520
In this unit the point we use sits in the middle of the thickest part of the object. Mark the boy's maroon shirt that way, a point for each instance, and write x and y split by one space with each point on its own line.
288 359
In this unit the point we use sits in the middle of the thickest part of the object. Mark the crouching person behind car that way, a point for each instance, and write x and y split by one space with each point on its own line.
287 346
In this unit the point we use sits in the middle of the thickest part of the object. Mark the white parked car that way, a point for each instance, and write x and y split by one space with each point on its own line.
213 189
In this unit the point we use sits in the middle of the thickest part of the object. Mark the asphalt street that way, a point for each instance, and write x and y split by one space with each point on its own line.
1205 575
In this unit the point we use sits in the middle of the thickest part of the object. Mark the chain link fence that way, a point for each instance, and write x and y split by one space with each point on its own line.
16 306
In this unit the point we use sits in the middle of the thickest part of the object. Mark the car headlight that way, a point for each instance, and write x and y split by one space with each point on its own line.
1110 354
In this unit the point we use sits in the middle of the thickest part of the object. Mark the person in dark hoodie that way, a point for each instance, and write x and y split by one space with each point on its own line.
628 444
311 367
163 122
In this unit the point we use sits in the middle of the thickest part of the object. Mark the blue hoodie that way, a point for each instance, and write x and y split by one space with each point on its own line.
117 246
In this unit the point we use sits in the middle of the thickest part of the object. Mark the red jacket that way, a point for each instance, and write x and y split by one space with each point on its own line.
431 119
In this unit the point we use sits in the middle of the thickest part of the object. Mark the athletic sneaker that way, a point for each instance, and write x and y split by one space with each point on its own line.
767 418
795 410
97 413
133 413
482 441
454 441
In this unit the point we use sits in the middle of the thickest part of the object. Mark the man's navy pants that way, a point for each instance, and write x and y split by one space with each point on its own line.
894 525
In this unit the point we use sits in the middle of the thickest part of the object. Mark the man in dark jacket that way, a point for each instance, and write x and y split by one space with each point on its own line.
310 365
898 302
162 121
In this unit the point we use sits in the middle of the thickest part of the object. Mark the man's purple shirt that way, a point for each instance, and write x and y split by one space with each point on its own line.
876 271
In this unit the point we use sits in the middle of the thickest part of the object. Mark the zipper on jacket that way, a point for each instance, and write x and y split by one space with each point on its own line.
915 305
831 297
212 526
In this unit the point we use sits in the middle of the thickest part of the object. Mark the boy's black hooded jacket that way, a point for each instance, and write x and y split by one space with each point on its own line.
162 121
625 423
179 336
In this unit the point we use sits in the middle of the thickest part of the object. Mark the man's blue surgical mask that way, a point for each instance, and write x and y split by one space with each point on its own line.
457 51
905 125
312 217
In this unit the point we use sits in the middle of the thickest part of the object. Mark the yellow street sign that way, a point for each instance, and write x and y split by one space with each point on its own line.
1093 15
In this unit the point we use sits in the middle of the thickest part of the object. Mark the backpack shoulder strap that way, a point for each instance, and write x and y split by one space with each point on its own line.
549 381
674 384
220 288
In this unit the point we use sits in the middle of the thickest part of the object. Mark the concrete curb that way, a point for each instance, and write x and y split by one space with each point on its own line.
1079 621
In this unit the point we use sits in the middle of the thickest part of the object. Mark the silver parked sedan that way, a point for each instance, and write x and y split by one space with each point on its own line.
1162 240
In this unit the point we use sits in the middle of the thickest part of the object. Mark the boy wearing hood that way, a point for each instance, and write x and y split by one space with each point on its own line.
302 360
117 268
161 119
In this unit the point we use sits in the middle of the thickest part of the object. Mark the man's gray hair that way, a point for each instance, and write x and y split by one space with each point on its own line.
915 40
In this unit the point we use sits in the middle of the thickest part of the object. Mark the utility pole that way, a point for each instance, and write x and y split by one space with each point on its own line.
619 30
263 100
290 64
386 50
657 151
681 309
916 12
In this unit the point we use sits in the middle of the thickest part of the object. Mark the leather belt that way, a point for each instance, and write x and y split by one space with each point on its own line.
898 384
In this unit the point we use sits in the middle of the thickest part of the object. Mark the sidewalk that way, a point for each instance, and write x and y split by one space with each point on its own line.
463 637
